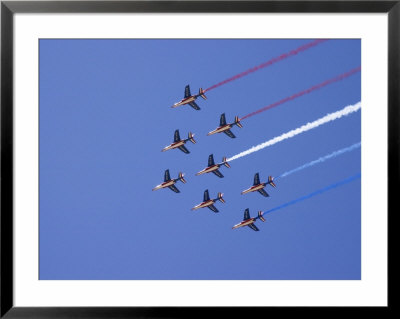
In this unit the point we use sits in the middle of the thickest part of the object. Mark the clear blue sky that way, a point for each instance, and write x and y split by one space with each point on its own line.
105 115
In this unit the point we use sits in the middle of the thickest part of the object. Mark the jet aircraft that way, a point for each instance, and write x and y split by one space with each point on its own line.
178 143
170 183
249 221
212 167
207 202
259 187
190 99
223 127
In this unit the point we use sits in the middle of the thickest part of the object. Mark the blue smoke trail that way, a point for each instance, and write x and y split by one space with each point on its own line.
320 191
322 159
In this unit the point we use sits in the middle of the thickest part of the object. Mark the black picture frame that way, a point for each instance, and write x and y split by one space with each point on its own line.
9 8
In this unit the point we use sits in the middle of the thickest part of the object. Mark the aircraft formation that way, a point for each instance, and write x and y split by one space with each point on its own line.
227 128
212 167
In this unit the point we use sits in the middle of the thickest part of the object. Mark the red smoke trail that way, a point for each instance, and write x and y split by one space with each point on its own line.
268 63
311 89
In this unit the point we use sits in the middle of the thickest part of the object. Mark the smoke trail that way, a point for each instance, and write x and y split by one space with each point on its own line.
321 159
320 191
309 90
268 63
327 118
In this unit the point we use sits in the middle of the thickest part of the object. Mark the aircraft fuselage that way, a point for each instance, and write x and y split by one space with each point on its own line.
204 204
245 223
186 100
165 184
254 188
209 169
221 129
173 145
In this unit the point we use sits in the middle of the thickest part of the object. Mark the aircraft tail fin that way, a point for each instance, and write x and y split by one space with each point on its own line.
190 138
237 121
260 215
220 197
181 178
201 93
271 181
224 161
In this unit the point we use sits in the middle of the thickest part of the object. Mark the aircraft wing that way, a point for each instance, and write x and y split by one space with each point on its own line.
213 208
210 160
187 91
194 105
229 133
218 173
256 179
253 227
173 188
246 214
184 149
176 136
263 192
206 196
222 120
166 175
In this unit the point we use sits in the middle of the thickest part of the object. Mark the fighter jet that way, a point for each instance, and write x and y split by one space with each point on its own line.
190 99
249 221
207 202
223 127
212 167
178 143
259 187
170 183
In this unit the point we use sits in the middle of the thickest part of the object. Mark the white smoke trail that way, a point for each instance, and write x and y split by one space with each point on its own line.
327 118
321 159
